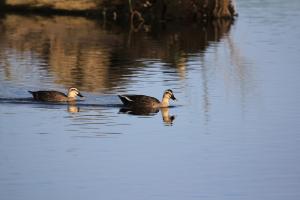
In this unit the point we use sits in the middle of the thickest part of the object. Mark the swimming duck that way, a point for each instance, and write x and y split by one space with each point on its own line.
55 95
147 101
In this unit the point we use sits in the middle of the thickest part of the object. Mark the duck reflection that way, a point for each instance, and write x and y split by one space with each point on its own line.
73 108
147 111
167 118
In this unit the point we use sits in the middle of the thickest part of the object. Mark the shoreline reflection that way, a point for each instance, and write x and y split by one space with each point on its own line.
76 51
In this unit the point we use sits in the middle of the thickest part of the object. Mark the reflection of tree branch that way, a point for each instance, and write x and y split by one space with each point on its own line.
130 6
236 70
222 9
136 28
138 14
134 13
237 59
206 100
241 67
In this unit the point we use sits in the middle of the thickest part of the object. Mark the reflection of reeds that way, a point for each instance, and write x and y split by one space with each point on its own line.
236 68
230 63
80 52
238 61
242 68
176 41
6 67
63 42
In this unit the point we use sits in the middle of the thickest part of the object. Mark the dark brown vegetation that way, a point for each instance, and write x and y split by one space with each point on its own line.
139 10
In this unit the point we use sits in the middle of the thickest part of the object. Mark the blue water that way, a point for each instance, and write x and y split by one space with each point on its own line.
232 134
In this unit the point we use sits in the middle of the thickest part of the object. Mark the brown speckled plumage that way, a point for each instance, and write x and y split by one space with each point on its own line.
147 101
55 95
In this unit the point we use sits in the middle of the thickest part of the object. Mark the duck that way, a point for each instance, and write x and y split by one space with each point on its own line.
56 96
147 101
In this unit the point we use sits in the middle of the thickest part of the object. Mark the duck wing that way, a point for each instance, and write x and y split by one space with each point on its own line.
48 95
138 100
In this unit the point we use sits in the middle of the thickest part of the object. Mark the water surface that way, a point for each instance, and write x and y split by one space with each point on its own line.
233 134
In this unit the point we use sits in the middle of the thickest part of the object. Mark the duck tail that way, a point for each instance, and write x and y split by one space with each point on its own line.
34 94
122 98
125 99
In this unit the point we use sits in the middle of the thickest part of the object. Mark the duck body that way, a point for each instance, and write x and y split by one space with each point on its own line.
143 101
55 96
139 101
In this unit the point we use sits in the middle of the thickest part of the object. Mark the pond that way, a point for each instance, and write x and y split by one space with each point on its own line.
232 134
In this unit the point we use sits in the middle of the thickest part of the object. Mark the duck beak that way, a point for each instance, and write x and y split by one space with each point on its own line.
80 95
173 98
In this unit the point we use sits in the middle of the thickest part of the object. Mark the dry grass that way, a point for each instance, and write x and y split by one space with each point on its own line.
58 4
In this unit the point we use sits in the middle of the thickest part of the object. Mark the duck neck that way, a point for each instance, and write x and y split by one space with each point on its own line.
165 102
71 97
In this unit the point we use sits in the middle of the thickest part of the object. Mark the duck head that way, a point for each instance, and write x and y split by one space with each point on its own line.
168 94
74 92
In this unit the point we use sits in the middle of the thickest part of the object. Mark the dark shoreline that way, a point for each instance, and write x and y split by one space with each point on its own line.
115 13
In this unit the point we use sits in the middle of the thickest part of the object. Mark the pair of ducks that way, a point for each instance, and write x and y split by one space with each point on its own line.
128 100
